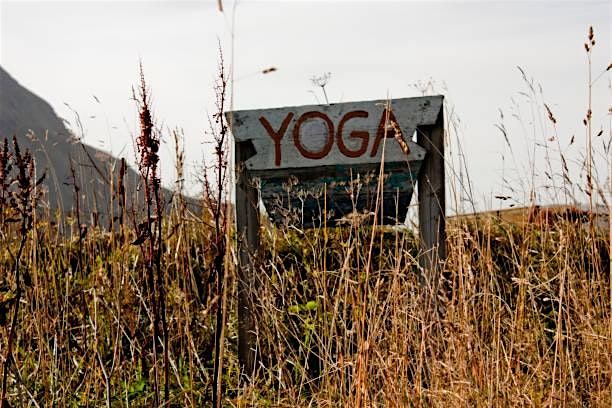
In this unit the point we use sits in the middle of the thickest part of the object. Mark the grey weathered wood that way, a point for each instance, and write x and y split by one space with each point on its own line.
409 112
247 225
432 200
340 130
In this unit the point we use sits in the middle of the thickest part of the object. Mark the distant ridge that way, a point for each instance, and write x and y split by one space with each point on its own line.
37 127
545 214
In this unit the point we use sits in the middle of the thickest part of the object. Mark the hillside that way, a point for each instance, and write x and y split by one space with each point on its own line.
38 128
543 216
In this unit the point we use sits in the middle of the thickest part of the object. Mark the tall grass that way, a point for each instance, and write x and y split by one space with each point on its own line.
21 205
520 312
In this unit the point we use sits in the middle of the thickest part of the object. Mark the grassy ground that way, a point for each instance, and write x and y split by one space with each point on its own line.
519 314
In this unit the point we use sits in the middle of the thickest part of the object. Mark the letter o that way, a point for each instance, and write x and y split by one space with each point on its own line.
330 135
355 134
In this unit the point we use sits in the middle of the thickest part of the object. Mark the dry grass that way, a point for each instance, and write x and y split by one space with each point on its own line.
520 314
522 317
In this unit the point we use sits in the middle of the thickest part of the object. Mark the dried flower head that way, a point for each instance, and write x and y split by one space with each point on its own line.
321 80
397 132
22 197
5 182
147 142
588 46
5 165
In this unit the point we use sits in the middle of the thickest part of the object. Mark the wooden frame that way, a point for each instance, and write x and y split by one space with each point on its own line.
432 223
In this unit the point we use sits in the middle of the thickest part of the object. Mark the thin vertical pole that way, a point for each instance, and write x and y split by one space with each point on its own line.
247 224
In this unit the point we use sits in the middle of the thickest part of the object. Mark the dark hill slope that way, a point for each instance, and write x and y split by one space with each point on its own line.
38 128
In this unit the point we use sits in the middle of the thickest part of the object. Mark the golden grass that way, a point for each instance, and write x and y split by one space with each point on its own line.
520 314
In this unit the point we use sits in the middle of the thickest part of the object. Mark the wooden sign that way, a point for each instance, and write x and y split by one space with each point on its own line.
315 165
320 161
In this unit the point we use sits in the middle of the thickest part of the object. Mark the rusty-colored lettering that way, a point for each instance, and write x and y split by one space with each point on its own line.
277 136
387 118
297 137
355 134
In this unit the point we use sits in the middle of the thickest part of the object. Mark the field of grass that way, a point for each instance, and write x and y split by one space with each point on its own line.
144 314
518 316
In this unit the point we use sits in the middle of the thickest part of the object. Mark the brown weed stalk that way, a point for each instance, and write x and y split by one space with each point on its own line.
21 203
5 170
121 196
150 238
215 192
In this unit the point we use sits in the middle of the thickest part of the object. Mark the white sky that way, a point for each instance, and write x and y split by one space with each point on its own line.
70 51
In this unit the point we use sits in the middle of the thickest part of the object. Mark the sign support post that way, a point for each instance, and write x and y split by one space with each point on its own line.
432 196
247 223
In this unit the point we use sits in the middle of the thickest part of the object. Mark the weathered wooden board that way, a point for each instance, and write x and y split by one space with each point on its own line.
322 135
316 164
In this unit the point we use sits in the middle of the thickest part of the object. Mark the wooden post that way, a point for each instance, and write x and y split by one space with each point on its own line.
432 203
247 232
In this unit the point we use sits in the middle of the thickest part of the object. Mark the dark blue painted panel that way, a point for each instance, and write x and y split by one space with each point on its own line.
306 196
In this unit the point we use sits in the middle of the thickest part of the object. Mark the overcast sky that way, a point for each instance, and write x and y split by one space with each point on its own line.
67 52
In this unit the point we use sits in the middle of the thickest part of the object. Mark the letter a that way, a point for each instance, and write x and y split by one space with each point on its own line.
383 131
